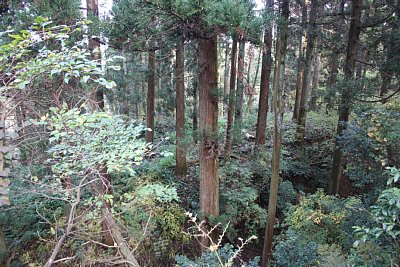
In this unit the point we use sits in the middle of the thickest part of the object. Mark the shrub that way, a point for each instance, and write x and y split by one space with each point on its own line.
293 250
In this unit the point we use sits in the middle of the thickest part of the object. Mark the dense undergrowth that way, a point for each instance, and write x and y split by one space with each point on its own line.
359 228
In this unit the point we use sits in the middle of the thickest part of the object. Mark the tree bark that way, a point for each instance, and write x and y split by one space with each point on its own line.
264 85
344 108
209 182
301 63
231 103
4 260
334 66
239 92
278 109
260 54
303 107
181 166
119 239
195 85
314 87
249 89
226 79
150 99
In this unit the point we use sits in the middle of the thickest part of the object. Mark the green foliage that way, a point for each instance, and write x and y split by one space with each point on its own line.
159 169
236 16
332 256
241 211
287 195
161 193
317 218
293 250
96 140
370 144
27 56
209 258
156 206
23 219
62 11
369 254
386 214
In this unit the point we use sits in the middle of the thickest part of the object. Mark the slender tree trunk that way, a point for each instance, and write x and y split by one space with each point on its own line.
4 254
94 46
344 108
258 67
334 66
226 79
158 75
264 85
279 73
150 98
181 167
231 103
301 63
249 89
144 80
314 88
209 182
4 260
125 103
311 35
195 85
105 178
239 92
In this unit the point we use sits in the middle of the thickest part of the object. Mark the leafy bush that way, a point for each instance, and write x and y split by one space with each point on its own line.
241 211
210 258
317 218
371 143
293 250
386 230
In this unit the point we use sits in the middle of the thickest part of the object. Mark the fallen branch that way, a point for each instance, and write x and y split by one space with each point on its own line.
67 231
121 243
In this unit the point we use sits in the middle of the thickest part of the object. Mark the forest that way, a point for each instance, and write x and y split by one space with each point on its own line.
198 133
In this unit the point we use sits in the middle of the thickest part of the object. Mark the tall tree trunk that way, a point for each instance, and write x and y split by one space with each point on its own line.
4 260
314 87
344 108
231 103
158 75
264 85
209 182
334 65
301 63
195 85
311 35
239 92
181 167
226 79
150 98
261 52
105 178
4 254
249 89
126 97
277 101
143 83
94 46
